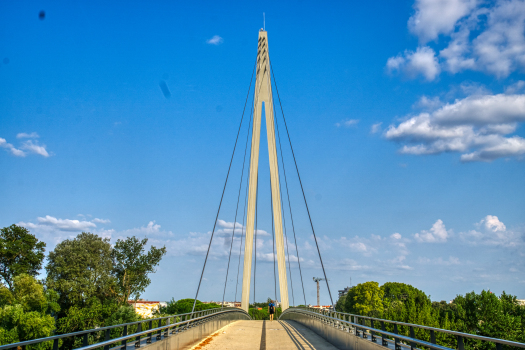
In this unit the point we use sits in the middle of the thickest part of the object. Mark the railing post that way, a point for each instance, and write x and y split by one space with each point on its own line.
106 338
412 335
432 336
373 334
150 334
124 333
137 338
85 339
461 346
383 339
55 344
167 331
159 332
356 321
498 346
363 331
396 339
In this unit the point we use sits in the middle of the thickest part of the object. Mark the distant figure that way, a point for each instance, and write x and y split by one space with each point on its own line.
271 309
42 15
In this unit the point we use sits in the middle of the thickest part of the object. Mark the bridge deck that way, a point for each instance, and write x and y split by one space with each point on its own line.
264 335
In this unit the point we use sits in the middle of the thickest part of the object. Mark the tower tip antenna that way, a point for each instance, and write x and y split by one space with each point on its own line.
264 22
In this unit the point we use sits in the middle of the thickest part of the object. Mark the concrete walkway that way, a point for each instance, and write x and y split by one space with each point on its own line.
264 335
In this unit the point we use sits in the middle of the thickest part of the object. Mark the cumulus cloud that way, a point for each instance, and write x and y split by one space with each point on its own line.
434 17
437 234
65 224
422 62
492 223
487 36
474 126
491 231
215 40
347 123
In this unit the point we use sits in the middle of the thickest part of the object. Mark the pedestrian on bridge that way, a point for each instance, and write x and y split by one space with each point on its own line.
271 309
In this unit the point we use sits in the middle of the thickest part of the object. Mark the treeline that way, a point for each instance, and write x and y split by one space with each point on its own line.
87 286
482 314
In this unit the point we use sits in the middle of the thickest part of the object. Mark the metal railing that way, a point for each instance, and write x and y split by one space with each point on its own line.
344 322
180 323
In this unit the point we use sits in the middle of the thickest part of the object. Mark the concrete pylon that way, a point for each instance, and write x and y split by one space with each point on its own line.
263 94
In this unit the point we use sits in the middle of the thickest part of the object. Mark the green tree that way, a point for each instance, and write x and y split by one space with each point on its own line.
184 306
25 313
80 269
340 304
365 299
132 266
20 252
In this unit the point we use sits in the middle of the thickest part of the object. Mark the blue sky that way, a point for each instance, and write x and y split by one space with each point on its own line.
119 118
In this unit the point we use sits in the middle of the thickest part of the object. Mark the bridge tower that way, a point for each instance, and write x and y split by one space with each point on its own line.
263 95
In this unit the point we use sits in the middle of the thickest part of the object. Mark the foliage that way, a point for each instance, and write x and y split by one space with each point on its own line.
132 266
339 305
184 306
20 253
482 314
263 314
80 269
365 299
26 312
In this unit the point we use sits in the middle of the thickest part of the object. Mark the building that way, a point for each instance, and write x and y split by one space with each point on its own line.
521 302
146 308
344 291
320 307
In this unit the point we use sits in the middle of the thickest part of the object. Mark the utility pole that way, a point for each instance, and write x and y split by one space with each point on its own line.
317 279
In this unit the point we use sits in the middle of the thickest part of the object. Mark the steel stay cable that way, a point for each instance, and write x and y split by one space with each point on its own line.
222 195
301 183
290 208
242 235
236 209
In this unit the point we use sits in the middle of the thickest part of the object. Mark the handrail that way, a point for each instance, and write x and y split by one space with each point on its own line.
412 339
124 338
200 315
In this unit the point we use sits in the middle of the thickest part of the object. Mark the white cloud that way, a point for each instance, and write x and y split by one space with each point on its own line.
474 126
376 128
515 88
27 147
347 123
487 36
31 147
24 135
492 223
65 224
434 17
395 235
215 40
437 234
426 103
439 261
493 232
16 152
421 62
101 221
